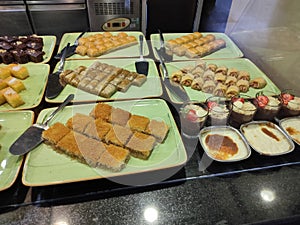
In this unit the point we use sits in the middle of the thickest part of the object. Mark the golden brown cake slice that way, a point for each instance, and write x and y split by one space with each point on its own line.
118 135
91 150
3 84
2 98
97 129
101 110
79 122
19 71
70 145
141 145
119 153
138 123
119 116
107 161
12 97
4 72
15 84
158 129
55 132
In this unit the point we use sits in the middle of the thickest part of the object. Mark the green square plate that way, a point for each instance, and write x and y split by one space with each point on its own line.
231 50
13 124
49 45
126 52
151 88
44 166
35 87
239 64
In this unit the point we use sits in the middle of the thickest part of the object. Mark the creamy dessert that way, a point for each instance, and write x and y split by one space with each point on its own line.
267 107
243 111
267 138
224 143
292 128
290 105
218 113
193 118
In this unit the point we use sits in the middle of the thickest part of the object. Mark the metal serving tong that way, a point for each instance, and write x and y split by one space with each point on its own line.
54 87
174 87
164 52
72 48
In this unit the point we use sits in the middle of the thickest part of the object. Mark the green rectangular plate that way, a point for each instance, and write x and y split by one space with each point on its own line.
43 166
231 50
240 64
49 45
151 88
35 87
126 52
13 124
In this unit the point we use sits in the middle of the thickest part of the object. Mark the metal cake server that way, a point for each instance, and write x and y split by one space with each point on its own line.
54 87
174 87
32 137
71 49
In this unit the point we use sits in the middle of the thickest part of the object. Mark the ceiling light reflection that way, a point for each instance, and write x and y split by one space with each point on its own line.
61 223
267 195
150 214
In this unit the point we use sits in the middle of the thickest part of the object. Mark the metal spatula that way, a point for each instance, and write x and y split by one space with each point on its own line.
32 137
142 66
54 87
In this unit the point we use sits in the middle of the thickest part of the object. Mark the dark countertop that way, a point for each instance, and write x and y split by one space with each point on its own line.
245 198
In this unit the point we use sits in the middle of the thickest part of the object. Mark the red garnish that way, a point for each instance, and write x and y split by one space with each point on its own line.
262 101
286 97
192 115
210 105
235 99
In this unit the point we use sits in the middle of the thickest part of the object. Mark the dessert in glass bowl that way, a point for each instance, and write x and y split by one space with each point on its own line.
219 110
268 105
193 117
243 111
290 104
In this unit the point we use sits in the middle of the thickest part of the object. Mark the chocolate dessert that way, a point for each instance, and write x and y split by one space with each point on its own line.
21 49
267 107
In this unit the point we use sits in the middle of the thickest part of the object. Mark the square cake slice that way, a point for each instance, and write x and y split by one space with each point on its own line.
158 129
118 135
138 123
97 129
101 110
141 145
79 122
119 116
55 132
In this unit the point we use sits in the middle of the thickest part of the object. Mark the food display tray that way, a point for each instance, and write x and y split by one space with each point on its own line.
230 51
239 64
44 166
13 124
35 87
151 88
126 52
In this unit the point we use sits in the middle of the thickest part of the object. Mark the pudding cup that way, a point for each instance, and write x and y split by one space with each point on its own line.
219 110
193 117
268 105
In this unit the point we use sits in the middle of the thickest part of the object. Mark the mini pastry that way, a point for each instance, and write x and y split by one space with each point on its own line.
243 85
243 75
197 84
220 90
232 90
233 72
230 80
12 97
208 86
15 84
187 80
208 75
222 69
176 76
258 83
